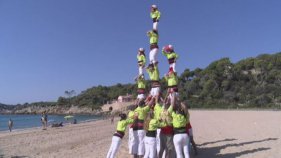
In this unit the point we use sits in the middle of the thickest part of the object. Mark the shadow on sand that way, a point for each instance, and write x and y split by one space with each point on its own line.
218 141
214 152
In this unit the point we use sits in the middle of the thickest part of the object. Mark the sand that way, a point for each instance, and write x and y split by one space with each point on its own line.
222 134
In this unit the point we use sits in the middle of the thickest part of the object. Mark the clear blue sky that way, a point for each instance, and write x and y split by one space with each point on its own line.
47 47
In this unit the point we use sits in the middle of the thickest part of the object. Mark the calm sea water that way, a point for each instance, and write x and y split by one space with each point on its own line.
29 121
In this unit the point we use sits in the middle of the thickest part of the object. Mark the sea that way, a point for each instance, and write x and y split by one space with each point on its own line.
21 122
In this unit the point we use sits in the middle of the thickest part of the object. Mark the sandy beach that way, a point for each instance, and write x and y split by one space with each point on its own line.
222 134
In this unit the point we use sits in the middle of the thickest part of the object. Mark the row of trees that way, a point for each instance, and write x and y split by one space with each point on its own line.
97 96
252 82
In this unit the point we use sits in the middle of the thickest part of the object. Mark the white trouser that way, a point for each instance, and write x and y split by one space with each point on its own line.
152 55
139 142
180 143
131 141
150 147
135 143
155 91
173 95
141 70
140 96
155 26
116 142
190 134
173 65
158 141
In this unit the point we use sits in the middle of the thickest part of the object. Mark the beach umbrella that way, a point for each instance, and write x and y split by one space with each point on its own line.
68 117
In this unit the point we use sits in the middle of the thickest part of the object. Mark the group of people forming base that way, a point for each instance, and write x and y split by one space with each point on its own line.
157 129
158 126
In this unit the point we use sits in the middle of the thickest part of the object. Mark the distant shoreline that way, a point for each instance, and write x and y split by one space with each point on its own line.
29 122
60 114
200 109
49 126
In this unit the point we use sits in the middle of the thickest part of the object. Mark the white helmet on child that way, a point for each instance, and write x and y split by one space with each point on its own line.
170 47
141 49
154 6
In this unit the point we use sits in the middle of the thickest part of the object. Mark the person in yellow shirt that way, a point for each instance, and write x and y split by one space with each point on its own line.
151 126
157 113
180 119
118 135
172 81
141 60
140 114
153 73
155 16
153 41
132 139
172 57
166 135
141 83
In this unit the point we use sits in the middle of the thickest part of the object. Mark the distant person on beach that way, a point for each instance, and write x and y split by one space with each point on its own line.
74 121
155 16
112 118
111 115
44 120
118 135
10 124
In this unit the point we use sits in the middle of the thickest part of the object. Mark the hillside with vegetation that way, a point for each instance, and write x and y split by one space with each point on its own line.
249 83
5 108
97 96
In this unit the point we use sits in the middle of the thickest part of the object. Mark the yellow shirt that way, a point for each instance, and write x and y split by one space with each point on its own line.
142 111
154 124
157 111
122 124
179 120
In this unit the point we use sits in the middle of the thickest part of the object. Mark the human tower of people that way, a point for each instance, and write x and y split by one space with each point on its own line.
158 126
